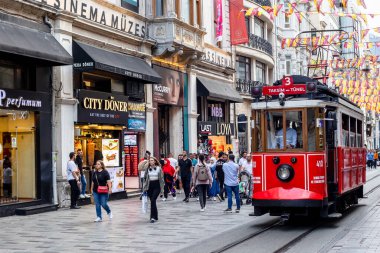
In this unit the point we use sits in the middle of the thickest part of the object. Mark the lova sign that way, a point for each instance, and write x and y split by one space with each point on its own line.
293 89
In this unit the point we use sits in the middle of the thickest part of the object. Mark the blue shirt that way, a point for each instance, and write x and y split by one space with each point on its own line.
194 162
231 170
370 156
291 137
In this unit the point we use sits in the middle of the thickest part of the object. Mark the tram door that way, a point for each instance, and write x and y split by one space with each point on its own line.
331 144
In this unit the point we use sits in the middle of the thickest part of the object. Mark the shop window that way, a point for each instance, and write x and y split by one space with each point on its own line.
288 64
284 130
12 76
248 24
132 5
135 90
96 82
17 156
185 10
260 72
259 28
243 67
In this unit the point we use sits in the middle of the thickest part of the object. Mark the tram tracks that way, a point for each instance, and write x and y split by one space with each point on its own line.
279 223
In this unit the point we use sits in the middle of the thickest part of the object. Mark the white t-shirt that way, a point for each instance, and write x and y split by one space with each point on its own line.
242 161
153 173
71 166
173 162
248 167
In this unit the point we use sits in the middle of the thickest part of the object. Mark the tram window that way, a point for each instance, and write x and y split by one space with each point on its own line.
352 132
294 138
359 129
311 131
345 130
257 140
274 125
320 126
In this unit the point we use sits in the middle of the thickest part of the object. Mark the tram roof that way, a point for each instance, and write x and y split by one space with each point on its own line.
324 96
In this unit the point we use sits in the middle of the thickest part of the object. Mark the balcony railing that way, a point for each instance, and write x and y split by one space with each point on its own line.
260 43
245 86
263 2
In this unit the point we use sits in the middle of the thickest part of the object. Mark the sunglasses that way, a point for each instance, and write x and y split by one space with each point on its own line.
150 169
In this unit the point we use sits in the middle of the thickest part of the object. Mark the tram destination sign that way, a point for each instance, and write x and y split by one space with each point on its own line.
292 89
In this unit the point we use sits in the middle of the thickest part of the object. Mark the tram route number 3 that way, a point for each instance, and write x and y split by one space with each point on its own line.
287 80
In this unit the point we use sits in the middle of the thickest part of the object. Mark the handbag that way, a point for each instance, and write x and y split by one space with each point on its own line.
101 189
144 203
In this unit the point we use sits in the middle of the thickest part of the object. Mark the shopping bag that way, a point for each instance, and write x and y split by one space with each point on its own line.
144 203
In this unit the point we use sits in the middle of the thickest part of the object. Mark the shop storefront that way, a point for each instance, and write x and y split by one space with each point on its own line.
26 59
168 97
111 117
215 132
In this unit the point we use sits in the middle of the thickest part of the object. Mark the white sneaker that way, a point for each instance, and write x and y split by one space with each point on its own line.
98 219
87 196
174 198
110 216
198 199
164 199
202 209
214 199
81 196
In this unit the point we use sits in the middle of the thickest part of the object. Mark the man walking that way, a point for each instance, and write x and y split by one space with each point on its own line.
220 174
185 166
231 183
73 179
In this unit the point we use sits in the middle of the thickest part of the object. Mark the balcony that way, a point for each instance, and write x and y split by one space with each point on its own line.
244 87
263 2
260 43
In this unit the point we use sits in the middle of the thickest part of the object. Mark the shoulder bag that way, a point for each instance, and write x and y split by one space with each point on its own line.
101 189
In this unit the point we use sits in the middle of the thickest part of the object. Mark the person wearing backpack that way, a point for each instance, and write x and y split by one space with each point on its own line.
202 179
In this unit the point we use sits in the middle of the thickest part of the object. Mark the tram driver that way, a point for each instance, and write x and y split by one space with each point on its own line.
291 136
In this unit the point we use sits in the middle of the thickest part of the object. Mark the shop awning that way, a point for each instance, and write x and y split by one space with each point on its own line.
218 89
31 43
87 58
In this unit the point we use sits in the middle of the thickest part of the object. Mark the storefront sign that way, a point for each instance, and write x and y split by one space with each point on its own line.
170 90
103 108
216 111
217 58
96 12
136 116
215 128
24 100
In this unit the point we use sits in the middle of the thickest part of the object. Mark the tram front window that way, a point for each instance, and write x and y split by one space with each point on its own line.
284 137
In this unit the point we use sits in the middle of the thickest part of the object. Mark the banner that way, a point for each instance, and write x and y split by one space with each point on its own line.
219 20
239 34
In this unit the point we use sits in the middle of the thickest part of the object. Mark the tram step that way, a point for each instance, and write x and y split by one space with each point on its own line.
334 215
29 210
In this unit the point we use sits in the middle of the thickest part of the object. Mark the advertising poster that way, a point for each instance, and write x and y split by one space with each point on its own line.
136 116
117 178
170 90
110 150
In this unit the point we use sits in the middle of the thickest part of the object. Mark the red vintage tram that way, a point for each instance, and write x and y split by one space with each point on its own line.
308 149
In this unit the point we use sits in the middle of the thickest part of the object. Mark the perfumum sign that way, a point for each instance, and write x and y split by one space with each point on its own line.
97 12
23 100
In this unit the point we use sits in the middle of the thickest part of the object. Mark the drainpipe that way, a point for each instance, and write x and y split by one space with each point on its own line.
54 153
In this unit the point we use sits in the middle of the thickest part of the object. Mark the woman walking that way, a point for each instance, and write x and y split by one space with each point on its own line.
154 186
101 189
214 189
202 179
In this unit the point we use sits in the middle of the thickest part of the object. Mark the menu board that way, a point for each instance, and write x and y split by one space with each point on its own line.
110 150
117 178
131 161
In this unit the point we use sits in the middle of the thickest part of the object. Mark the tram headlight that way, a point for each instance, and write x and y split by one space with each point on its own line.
285 172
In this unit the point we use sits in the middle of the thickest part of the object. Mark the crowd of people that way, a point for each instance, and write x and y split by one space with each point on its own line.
205 177
372 158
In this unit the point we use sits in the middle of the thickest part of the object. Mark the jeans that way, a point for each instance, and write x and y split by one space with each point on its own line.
229 190
101 201
84 184
186 185
221 188
168 188
74 192
153 192
202 190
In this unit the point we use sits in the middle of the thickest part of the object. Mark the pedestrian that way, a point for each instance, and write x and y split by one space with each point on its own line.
220 174
143 164
7 177
153 186
231 182
247 166
194 159
178 176
101 177
214 189
73 178
243 159
370 156
169 173
202 179
173 161
185 168
83 181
